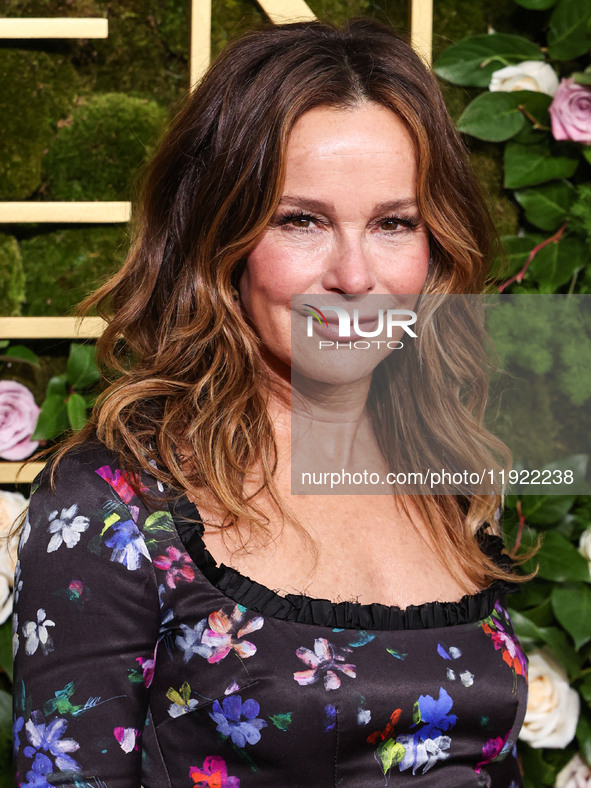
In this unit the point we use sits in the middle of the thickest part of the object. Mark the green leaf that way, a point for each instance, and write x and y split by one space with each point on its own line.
4 343
57 387
473 60
559 560
516 251
6 647
81 371
532 636
282 720
568 35
494 117
22 353
536 772
76 407
572 608
529 165
536 5
584 733
555 264
546 206
581 77
546 509
585 688
390 752
5 733
159 522
53 418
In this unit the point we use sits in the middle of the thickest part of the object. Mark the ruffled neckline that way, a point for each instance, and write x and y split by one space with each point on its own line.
302 609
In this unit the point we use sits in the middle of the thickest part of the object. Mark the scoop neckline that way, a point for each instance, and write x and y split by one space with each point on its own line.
303 609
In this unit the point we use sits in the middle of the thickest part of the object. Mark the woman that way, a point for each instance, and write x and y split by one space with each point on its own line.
183 619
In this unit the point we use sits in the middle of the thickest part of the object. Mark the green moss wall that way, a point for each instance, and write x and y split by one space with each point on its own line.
79 120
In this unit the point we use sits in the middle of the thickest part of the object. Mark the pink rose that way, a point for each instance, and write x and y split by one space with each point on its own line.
570 112
18 418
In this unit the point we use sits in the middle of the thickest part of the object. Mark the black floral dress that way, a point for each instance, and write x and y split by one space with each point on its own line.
138 661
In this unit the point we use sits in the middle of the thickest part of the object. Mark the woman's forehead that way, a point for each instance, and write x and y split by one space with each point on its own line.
339 150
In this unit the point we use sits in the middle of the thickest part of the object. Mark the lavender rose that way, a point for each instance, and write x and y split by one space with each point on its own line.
18 418
570 112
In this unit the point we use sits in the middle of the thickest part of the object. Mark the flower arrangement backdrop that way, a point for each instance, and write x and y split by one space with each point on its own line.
80 118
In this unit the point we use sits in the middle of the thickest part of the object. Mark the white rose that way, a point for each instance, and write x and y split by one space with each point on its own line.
552 705
11 506
576 774
585 545
530 75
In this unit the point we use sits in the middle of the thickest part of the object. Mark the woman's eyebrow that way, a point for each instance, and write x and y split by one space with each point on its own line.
310 203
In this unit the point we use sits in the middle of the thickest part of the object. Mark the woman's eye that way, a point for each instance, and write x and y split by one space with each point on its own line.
399 224
390 224
300 221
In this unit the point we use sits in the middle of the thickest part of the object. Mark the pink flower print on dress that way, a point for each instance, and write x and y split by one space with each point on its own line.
496 626
213 774
325 659
225 633
492 749
148 666
127 738
120 481
177 564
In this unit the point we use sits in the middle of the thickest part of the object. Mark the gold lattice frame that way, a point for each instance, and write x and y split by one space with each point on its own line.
421 25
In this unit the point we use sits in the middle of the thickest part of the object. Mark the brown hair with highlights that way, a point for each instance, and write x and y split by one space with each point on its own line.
187 382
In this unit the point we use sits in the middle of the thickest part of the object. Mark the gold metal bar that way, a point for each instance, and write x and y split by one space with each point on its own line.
200 54
9 471
51 327
421 28
102 212
287 10
54 28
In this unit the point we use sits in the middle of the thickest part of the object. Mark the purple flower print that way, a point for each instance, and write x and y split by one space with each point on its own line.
17 727
177 566
225 633
428 744
40 769
213 774
48 738
324 660
128 544
228 718
434 714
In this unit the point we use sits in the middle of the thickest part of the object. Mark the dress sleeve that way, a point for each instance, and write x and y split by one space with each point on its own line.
86 623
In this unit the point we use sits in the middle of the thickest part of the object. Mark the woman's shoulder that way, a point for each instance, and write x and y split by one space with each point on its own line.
86 468
85 508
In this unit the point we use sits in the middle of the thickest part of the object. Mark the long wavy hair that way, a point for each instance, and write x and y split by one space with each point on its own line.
186 399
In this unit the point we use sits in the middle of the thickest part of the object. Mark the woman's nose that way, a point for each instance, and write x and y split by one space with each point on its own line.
349 269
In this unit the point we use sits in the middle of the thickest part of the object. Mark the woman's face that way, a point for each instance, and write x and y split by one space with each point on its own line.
347 224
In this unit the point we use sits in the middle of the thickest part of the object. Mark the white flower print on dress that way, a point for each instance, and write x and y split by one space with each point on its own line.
37 634
15 641
66 528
